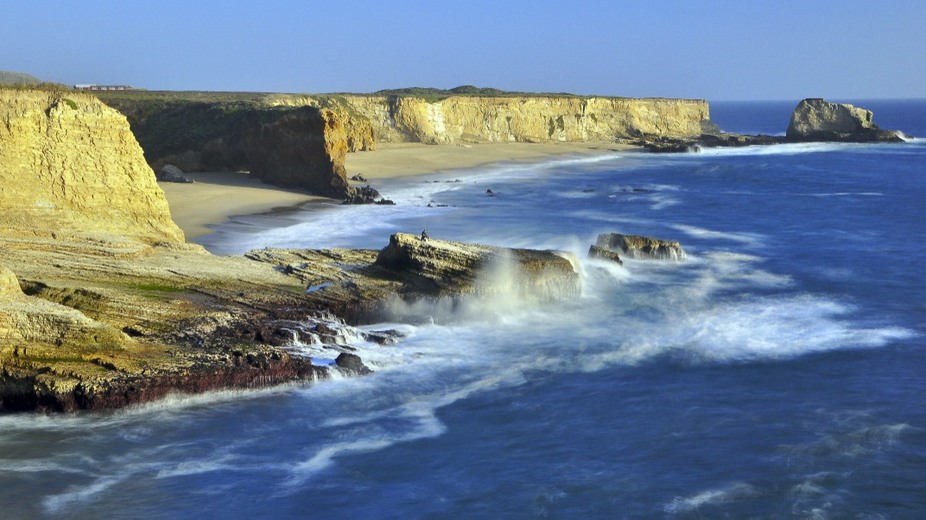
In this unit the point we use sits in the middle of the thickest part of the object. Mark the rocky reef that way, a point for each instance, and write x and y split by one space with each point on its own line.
608 245
439 268
86 329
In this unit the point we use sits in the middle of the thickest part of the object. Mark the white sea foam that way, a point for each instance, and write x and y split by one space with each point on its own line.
853 444
735 492
211 464
777 149
749 239
62 502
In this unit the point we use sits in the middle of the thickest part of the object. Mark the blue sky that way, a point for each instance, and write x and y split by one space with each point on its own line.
718 50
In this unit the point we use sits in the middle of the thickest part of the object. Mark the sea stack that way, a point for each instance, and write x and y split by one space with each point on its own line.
815 119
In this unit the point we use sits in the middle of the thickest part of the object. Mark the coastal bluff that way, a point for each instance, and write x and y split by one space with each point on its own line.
301 141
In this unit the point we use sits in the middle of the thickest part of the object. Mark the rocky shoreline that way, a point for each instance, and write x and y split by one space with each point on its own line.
103 304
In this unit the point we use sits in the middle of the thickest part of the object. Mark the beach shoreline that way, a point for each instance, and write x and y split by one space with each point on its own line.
215 197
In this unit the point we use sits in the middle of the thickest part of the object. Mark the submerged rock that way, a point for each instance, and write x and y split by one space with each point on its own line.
640 247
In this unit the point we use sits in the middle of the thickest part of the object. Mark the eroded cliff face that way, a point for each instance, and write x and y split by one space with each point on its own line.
475 119
70 166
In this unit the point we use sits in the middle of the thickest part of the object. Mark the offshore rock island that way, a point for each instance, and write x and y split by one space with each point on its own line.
103 304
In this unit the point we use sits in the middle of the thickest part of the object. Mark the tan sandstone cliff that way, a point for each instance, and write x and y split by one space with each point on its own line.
70 166
477 119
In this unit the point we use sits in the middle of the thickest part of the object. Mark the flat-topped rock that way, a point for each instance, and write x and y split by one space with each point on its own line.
640 247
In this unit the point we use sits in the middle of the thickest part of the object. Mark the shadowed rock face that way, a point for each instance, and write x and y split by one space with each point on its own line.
301 147
639 247
297 146
815 119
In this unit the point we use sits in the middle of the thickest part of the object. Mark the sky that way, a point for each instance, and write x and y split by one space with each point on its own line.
709 49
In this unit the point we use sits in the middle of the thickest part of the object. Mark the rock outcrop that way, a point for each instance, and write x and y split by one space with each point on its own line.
815 119
302 147
640 247
433 267
70 166
171 173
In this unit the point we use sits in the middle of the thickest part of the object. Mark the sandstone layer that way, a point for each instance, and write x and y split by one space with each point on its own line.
204 131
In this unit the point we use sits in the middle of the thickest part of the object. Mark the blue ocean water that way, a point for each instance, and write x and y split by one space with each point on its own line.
777 372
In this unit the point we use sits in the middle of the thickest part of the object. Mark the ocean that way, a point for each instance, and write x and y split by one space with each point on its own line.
778 372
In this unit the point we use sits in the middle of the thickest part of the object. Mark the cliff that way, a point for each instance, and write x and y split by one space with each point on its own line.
528 118
298 145
70 165
198 131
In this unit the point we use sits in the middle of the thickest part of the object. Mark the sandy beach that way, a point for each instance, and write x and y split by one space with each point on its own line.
391 160
216 196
